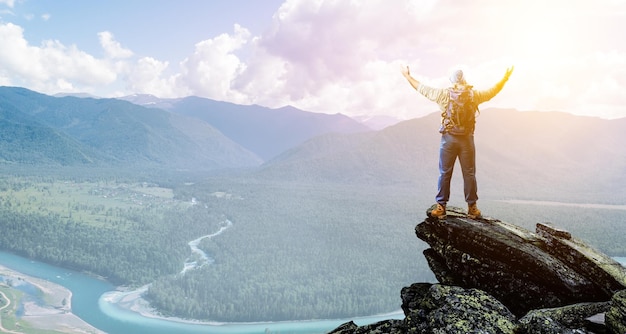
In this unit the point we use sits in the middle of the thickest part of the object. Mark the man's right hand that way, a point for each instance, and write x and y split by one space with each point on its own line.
405 70
407 75
508 72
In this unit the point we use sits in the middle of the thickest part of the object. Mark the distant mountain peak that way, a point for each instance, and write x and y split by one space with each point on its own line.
148 100
264 131
79 95
377 122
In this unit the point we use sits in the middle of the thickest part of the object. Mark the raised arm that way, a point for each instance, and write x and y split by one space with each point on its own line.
407 75
486 95
433 94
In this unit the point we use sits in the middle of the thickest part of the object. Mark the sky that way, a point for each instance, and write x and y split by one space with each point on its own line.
329 56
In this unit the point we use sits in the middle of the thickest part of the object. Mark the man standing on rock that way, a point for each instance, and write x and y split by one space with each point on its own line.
459 105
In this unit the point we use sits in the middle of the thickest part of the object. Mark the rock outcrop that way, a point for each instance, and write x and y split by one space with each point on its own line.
523 270
616 316
495 277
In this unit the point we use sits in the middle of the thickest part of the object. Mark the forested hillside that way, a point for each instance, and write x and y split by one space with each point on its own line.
106 132
24 141
118 231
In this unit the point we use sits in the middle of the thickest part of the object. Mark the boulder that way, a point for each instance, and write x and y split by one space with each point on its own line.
435 308
381 327
522 269
616 316
566 319
453 310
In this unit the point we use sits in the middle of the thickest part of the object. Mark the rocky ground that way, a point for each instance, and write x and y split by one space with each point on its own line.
495 277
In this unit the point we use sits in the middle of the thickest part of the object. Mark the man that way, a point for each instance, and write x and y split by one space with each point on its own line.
457 136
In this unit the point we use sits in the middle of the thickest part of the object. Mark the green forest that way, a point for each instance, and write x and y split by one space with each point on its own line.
291 250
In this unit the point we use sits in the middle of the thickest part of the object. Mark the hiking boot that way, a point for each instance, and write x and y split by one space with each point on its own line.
473 212
438 212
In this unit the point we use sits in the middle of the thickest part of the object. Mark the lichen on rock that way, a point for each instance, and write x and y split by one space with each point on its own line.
616 316
496 277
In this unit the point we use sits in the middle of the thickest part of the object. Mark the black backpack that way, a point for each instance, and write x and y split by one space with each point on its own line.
460 116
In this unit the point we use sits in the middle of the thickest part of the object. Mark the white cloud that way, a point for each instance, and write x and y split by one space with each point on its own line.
16 55
344 56
214 65
330 56
147 77
210 71
262 82
113 48
9 3
51 67
339 56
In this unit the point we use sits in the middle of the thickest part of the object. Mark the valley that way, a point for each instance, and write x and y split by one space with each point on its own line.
309 248
224 225
132 237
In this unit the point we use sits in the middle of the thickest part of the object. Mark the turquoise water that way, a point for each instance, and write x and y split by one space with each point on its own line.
89 306
31 292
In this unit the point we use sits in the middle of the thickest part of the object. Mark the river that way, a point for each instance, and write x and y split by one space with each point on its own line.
91 302
88 304
198 257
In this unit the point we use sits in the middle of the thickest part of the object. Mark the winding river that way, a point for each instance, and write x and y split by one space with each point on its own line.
92 301
88 304
198 257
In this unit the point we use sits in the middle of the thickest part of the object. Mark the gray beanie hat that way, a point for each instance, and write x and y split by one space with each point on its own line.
457 77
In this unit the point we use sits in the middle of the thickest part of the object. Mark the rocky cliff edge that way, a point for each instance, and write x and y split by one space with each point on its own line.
496 277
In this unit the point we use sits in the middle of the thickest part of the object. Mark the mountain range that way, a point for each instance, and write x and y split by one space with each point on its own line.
69 130
264 131
523 155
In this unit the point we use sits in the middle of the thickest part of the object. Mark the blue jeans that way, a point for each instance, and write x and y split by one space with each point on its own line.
451 148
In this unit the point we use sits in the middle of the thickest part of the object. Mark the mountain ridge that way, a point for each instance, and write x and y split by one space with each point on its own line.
265 131
115 132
